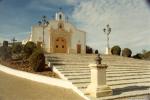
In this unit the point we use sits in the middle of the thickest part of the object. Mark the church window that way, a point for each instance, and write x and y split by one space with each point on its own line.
60 25
60 17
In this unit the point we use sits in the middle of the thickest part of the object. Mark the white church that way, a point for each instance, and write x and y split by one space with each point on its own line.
59 36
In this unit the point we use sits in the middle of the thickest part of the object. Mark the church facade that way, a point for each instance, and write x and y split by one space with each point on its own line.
59 36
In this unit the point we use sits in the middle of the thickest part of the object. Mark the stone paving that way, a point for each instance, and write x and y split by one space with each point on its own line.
126 76
15 88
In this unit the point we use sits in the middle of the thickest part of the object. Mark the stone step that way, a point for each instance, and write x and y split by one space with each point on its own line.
113 83
103 57
84 85
108 75
93 59
111 80
130 95
108 70
74 76
116 82
85 58
78 77
109 66
130 65
132 71
87 77
87 63
72 67
107 62
89 56
70 63
75 71
126 75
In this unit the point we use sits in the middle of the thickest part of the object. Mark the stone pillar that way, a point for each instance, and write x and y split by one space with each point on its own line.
98 87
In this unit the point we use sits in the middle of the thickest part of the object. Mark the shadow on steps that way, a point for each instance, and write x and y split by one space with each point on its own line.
118 91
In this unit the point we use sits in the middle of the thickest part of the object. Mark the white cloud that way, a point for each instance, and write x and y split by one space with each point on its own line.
129 19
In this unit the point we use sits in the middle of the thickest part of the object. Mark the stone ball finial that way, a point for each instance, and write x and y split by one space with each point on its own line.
98 59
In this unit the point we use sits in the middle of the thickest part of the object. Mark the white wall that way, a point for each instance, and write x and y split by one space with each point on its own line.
78 37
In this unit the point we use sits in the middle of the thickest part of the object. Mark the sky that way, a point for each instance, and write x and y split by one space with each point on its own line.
129 20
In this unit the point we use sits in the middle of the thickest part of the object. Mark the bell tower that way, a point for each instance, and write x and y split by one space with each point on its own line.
60 16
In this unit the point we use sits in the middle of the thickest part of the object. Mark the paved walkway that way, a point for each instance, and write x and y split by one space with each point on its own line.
15 88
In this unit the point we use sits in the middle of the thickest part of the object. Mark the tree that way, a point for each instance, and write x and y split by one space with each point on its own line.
17 48
29 48
146 55
96 51
115 50
138 56
126 52
89 50
37 60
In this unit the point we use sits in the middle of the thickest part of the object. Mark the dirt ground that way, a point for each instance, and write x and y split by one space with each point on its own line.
26 67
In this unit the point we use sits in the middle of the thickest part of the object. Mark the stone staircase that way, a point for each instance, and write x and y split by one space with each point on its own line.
126 76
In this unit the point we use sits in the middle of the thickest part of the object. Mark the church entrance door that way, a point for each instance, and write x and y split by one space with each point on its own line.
60 45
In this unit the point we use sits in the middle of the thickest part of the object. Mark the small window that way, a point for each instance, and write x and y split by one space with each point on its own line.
56 46
62 46
60 17
62 40
57 40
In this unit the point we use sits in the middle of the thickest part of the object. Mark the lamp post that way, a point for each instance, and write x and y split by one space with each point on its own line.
107 31
13 40
43 23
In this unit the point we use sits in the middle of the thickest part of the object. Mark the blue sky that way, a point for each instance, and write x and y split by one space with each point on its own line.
129 19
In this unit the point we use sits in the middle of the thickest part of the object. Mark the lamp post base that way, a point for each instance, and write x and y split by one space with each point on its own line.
98 91
108 51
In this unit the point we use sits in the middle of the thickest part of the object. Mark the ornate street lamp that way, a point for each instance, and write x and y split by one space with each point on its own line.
107 31
13 40
43 23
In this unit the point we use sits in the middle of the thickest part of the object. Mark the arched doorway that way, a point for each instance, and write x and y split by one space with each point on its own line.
60 45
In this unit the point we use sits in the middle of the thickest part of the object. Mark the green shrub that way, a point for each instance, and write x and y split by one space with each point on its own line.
138 56
116 50
17 48
126 52
96 51
37 61
146 55
29 48
89 50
